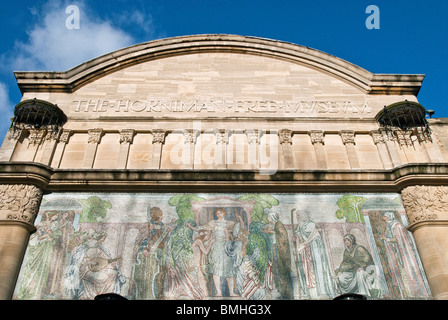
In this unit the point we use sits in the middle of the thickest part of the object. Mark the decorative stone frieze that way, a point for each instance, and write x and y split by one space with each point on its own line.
317 136
425 203
347 136
95 136
19 202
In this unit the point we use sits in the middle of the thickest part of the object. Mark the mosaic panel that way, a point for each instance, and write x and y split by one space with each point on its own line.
221 246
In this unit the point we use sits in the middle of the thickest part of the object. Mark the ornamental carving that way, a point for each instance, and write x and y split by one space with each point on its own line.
378 137
127 136
404 137
285 136
190 136
65 136
222 136
317 136
158 136
19 202
36 136
348 136
253 136
95 135
425 203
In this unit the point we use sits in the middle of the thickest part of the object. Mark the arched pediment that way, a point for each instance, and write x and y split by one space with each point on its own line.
77 77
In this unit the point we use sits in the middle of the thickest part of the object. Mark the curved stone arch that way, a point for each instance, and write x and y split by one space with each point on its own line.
75 78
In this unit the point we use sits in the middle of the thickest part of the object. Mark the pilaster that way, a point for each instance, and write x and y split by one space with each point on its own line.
317 139
348 139
94 140
126 139
286 158
158 139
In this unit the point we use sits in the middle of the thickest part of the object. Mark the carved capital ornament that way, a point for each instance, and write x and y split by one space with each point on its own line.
425 204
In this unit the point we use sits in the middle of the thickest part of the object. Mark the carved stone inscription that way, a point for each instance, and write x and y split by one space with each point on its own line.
221 106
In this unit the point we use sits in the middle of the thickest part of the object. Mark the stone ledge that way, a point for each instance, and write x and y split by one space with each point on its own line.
114 180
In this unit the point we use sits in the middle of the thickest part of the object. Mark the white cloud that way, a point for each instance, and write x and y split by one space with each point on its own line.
51 46
6 109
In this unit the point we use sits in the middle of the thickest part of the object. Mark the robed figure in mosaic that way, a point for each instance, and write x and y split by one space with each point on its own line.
357 272
150 268
401 256
280 256
314 269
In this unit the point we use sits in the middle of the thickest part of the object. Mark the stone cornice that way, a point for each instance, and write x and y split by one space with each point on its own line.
91 180
71 80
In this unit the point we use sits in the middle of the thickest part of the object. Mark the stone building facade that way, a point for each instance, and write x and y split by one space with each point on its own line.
270 131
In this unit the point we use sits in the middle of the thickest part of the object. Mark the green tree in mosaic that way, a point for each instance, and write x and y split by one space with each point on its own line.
182 202
95 209
350 208
261 202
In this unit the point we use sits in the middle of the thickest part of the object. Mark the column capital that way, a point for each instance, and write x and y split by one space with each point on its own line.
285 136
158 136
317 136
19 202
95 135
127 136
36 136
253 136
347 136
190 136
65 135
222 136
378 137
425 204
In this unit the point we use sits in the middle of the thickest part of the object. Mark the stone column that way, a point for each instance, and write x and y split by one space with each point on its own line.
222 139
158 139
126 139
253 139
19 205
380 142
427 211
94 140
348 139
317 139
286 158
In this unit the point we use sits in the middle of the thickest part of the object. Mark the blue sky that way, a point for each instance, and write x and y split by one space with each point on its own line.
412 38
